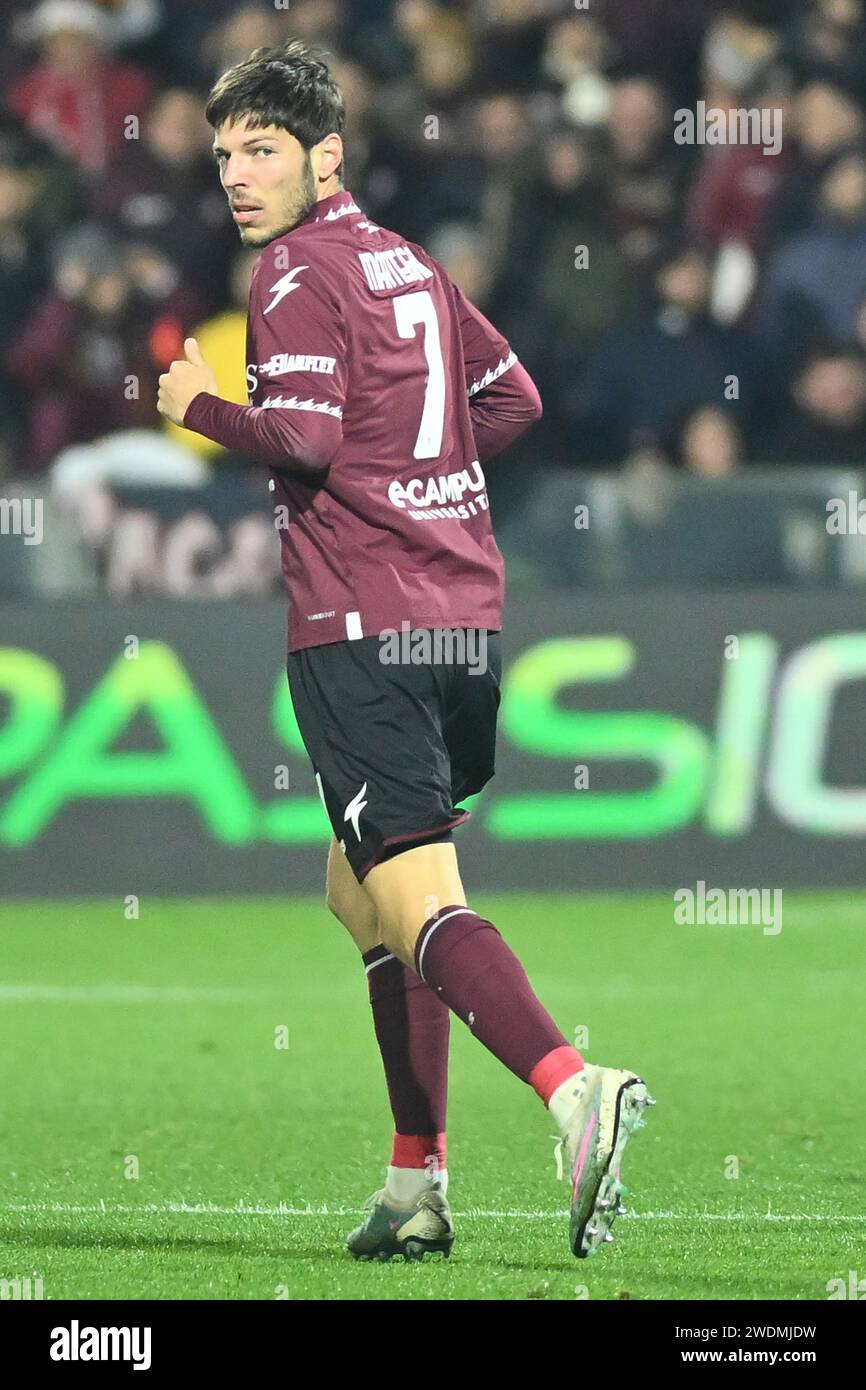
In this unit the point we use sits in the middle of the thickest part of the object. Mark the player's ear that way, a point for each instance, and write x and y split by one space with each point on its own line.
330 152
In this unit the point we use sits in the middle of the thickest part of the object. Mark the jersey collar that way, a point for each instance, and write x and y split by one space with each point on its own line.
330 209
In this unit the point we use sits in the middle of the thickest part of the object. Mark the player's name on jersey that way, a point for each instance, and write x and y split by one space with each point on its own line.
387 270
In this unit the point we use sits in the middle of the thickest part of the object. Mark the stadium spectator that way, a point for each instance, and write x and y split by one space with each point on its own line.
88 359
244 28
40 194
654 371
400 36
646 172
564 266
321 22
562 282
825 420
438 87
512 37
829 36
711 445
426 118
222 340
133 23
182 52
664 38
76 94
164 191
461 249
376 170
505 151
509 135
60 189
574 60
816 283
826 120
738 49
736 187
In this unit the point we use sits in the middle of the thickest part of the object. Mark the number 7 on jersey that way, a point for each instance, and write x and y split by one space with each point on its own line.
410 310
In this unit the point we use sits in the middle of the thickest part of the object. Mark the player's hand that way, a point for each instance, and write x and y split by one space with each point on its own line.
183 381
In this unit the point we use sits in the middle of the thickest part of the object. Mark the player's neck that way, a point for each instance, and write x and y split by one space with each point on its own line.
329 189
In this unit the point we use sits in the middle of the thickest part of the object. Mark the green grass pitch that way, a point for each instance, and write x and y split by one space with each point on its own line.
149 1046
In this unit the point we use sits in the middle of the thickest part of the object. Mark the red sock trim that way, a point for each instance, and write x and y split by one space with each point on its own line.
418 1151
553 1069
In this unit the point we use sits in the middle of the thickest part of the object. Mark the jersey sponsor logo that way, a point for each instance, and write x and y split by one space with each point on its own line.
342 211
460 513
449 487
354 809
283 362
297 362
284 286
388 270
292 403
493 373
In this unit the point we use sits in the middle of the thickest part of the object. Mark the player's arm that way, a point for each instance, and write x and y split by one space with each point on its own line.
503 398
298 425
302 442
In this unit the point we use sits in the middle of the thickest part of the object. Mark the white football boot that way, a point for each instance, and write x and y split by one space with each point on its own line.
608 1106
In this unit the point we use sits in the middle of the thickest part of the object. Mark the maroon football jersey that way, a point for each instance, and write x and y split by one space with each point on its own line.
376 393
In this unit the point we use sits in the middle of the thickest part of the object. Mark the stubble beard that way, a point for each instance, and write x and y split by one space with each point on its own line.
298 206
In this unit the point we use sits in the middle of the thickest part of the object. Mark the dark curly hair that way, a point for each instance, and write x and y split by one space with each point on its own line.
289 86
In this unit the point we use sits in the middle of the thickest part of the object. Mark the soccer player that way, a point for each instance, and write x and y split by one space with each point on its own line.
378 392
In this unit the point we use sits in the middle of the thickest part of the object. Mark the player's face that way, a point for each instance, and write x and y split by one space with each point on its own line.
268 177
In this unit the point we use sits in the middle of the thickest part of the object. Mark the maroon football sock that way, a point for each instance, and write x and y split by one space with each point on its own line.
465 960
412 1027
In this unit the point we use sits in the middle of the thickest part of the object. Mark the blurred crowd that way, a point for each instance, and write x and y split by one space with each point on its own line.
696 304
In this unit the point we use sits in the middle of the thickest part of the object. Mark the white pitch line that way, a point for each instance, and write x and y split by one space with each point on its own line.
617 989
128 994
472 1213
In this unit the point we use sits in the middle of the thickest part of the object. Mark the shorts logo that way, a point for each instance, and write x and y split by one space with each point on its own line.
354 809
